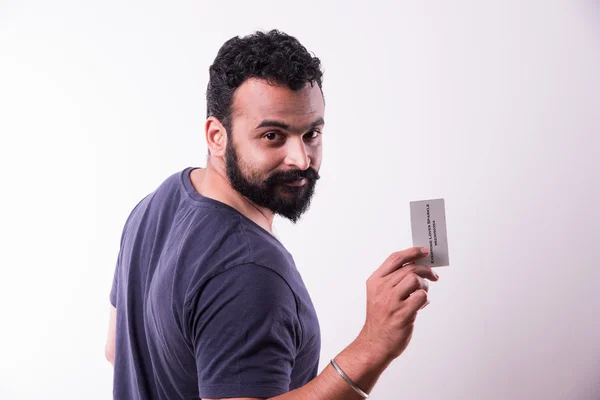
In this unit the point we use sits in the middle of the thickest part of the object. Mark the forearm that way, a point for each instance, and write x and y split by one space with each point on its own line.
109 349
362 366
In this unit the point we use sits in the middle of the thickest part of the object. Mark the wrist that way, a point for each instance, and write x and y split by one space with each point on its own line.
358 390
362 364
366 352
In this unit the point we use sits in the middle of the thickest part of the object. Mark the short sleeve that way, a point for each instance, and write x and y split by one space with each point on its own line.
115 284
114 287
246 332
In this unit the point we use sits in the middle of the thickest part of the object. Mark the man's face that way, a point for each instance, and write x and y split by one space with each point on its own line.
273 153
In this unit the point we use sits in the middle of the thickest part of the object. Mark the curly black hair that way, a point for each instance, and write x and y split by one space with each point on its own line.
275 56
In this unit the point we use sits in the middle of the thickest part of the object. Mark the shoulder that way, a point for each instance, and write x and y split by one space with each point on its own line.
265 250
255 280
247 293
226 239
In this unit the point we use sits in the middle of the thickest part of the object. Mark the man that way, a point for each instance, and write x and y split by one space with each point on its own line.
206 302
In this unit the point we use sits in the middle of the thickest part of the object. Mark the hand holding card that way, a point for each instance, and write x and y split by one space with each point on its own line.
428 223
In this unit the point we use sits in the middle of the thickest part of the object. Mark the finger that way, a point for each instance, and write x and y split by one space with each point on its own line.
399 258
424 271
410 284
417 301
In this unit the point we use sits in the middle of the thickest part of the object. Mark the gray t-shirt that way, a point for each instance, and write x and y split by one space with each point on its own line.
209 304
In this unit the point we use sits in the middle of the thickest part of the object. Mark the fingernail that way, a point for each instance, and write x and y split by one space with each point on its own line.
425 305
424 251
436 275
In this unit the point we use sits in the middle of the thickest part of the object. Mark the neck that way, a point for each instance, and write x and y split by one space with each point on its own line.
212 182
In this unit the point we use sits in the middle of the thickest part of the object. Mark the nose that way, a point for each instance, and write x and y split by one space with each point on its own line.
297 156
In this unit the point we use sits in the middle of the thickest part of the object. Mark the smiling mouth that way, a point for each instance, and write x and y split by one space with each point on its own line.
297 182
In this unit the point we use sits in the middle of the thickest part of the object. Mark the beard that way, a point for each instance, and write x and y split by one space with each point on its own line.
272 193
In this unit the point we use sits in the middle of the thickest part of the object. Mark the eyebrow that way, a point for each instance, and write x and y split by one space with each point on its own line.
271 123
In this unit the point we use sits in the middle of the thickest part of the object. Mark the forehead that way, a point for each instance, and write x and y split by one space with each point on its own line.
257 99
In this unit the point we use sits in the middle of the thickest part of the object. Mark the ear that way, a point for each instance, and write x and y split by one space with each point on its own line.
216 137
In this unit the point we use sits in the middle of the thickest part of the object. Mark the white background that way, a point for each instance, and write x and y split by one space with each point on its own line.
494 106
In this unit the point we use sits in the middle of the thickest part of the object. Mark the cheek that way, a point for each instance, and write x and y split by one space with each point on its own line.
262 162
267 158
315 156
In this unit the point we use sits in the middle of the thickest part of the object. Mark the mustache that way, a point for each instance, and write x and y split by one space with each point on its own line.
310 174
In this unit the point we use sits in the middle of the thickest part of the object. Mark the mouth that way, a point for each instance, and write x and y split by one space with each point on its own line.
297 182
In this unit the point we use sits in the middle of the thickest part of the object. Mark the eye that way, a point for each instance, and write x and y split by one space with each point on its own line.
312 135
271 136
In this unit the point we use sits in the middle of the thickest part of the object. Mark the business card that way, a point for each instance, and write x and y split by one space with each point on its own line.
428 224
